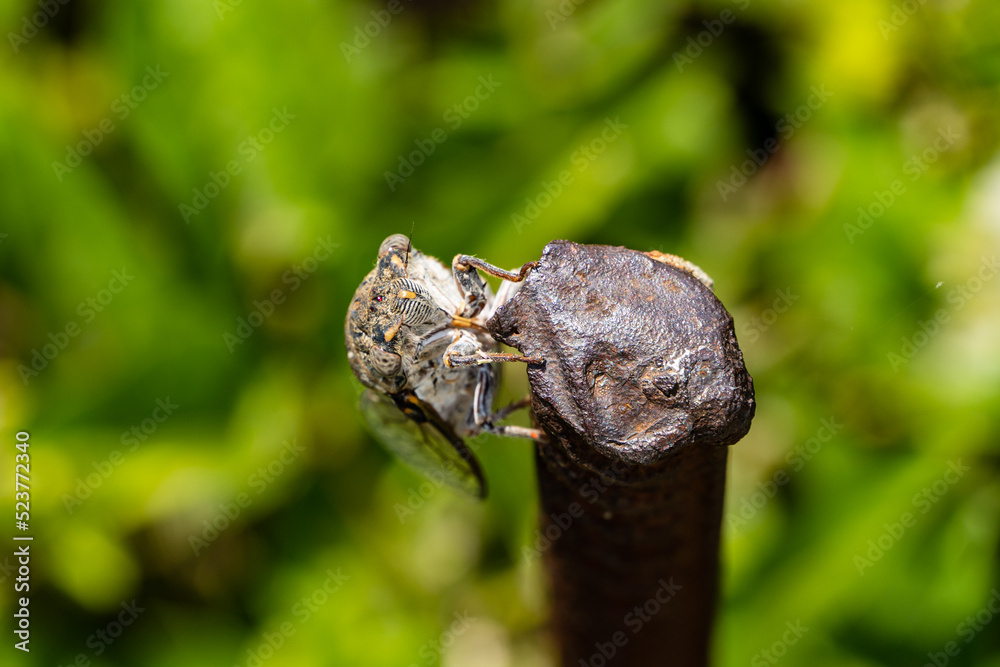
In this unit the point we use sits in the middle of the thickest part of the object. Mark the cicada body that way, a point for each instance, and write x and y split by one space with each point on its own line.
416 338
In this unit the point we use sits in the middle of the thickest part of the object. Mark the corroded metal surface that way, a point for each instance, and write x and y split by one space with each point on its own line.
642 389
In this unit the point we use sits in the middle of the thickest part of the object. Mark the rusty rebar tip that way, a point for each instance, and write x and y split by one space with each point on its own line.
641 359
642 389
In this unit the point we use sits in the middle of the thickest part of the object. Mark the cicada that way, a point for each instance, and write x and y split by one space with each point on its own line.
416 338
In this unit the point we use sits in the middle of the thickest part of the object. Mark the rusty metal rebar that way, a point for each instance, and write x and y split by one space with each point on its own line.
642 390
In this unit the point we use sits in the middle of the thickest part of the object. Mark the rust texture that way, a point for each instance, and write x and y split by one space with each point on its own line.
642 389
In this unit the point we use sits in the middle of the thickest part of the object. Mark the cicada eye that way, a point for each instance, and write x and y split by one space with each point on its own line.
394 242
385 362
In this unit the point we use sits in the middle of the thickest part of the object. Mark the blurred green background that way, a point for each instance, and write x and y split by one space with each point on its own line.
169 170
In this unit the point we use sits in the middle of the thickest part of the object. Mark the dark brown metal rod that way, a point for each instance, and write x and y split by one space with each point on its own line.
634 576
642 390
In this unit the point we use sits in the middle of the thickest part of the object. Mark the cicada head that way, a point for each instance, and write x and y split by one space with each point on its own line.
375 360
392 312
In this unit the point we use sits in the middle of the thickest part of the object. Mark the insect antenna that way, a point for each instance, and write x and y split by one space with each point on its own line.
409 246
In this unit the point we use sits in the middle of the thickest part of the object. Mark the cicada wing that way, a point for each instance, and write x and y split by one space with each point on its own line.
426 443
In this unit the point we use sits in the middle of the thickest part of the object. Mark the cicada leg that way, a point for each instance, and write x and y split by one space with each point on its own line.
514 431
465 262
487 420
464 350
512 408
481 357
473 287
